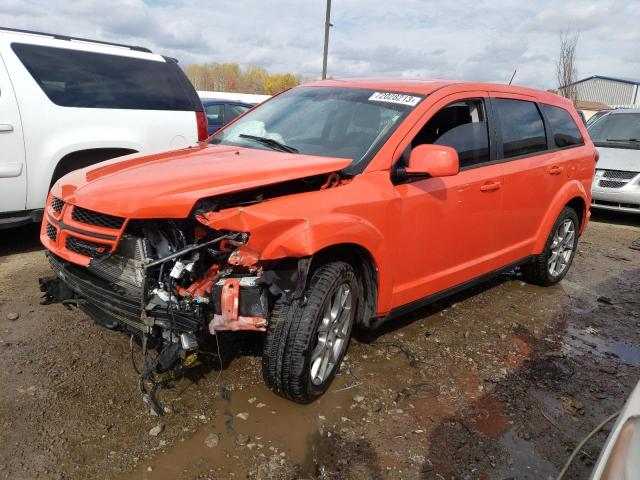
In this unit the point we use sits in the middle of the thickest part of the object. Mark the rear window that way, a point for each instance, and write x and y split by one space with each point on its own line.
73 78
521 126
564 130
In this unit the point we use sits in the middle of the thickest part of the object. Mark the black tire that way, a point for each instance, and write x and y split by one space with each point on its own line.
292 334
538 271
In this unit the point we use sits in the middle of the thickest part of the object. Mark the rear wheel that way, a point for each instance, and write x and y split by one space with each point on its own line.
555 260
305 344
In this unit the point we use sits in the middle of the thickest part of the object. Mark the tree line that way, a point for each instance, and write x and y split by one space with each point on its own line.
231 77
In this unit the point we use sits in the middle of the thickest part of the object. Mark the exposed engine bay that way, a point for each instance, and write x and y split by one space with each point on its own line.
171 282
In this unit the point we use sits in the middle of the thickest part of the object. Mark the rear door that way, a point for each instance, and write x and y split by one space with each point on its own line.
13 175
447 234
532 174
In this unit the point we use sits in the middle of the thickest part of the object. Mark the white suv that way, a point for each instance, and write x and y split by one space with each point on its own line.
66 103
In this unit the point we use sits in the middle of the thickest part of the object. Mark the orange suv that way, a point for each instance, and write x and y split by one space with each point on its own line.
334 205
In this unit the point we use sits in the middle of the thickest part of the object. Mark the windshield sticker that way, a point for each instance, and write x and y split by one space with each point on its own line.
399 98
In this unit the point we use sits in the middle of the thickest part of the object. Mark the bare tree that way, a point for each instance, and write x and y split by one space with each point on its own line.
566 72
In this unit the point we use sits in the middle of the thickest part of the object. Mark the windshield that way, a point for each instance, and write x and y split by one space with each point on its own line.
617 130
333 122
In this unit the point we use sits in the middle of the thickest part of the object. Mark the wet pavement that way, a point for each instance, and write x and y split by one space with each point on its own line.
498 382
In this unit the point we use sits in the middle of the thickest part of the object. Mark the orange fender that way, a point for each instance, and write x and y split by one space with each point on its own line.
571 190
276 236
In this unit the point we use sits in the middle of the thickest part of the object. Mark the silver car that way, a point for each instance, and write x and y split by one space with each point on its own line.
620 457
616 185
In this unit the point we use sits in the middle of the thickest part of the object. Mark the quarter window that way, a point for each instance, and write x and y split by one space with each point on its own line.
521 126
563 128
462 126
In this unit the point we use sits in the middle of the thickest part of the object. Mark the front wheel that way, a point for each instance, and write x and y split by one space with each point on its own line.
553 263
305 344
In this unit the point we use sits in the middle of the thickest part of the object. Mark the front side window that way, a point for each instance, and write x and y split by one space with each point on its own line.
462 126
75 78
564 131
617 130
521 126
333 122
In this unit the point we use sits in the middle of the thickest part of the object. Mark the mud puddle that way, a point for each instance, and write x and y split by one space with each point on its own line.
581 341
248 423
525 461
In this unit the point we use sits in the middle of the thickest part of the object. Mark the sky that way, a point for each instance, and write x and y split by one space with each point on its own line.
468 40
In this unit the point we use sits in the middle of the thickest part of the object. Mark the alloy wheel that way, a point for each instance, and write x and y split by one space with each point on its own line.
561 248
333 333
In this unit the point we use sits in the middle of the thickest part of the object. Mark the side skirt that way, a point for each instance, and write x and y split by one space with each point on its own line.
434 297
18 219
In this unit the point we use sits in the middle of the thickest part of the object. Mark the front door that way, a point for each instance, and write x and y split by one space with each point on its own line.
13 175
449 225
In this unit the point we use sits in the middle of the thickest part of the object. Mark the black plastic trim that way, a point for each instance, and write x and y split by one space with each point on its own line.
63 226
423 302
21 218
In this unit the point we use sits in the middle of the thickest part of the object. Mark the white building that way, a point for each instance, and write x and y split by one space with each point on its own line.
615 92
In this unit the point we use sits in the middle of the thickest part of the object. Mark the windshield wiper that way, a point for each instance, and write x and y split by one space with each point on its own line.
271 143
622 140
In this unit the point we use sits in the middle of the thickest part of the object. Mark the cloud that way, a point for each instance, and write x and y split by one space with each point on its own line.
466 39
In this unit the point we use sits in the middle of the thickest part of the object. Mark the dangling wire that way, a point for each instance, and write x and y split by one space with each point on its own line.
133 359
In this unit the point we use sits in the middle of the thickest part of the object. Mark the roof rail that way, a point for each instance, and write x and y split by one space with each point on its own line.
66 37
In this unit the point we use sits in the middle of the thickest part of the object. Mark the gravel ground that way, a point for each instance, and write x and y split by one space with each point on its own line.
499 382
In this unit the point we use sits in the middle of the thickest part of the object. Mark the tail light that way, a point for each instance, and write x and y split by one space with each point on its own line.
201 122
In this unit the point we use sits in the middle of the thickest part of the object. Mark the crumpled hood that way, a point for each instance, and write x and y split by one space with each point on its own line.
625 159
167 185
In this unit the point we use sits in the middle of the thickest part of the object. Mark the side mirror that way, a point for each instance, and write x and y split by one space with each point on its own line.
432 161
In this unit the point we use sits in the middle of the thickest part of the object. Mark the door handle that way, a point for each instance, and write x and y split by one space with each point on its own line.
555 170
6 127
490 187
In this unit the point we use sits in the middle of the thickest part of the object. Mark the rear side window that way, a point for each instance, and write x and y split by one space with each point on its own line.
232 111
563 128
214 113
73 78
521 127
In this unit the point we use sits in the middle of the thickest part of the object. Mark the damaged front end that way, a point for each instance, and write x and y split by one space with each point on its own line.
168 282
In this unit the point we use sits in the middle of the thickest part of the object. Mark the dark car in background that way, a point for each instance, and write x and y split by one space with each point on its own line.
220 112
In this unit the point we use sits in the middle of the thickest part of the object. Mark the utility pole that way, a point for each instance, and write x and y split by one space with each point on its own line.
327 25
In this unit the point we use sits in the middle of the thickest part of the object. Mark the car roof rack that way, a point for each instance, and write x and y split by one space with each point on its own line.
79 39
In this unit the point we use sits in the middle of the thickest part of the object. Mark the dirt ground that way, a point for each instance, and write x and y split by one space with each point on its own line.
500 382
